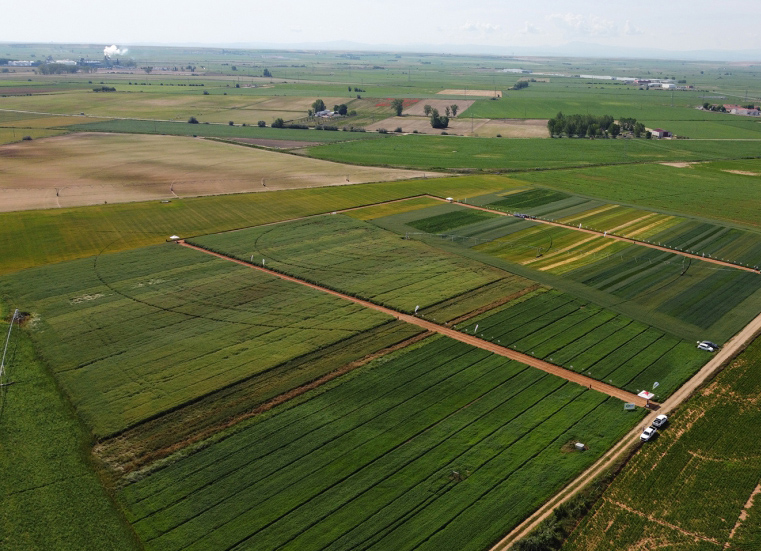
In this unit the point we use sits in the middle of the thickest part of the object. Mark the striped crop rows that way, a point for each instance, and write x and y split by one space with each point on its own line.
435 447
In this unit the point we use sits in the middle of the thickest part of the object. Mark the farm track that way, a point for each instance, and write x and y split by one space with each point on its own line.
736 345
614 237
547 367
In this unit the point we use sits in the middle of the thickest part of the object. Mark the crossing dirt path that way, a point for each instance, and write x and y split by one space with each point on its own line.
614 237
452 333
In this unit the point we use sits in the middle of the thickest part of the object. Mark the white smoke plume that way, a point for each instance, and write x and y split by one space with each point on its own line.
111 51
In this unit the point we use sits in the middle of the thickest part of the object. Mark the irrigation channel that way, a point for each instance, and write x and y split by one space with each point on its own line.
453 334
608 235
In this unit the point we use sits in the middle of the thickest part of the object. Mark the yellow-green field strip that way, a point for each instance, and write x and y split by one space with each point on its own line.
580 228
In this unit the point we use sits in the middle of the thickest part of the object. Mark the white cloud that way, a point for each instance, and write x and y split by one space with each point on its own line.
480 27
630 29
529 28
585 25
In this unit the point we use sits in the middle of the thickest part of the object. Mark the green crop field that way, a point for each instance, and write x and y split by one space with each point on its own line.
387 209
165 399
451 220
454 152
356 257
701 299
591 340
35 238
51 496
135 307
705 189
391 458
696 486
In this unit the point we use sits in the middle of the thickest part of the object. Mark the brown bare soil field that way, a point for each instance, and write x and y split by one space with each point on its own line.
418 109
423 125
514 128
480 93
92 168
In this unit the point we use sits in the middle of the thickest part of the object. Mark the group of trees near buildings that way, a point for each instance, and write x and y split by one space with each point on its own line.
594 126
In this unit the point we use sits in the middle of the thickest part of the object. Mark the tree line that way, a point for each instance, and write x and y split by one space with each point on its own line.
594 126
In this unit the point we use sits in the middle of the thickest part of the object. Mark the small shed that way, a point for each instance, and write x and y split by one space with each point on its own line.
174 238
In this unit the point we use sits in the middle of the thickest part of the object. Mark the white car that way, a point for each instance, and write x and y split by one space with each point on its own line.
708 346
648 433
659 421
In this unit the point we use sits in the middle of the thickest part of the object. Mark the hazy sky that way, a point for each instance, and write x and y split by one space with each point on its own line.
667 24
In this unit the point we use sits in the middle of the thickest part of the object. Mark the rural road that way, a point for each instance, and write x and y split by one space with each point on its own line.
609 236
451 333
722 357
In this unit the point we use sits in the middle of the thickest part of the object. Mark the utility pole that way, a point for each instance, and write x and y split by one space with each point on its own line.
7 340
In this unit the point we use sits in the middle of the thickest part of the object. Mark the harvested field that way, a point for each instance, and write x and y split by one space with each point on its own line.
440 104
480 93
513 128
423 125
87 169
36 121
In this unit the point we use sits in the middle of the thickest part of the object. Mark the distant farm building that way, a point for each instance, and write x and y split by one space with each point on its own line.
660 133
740 110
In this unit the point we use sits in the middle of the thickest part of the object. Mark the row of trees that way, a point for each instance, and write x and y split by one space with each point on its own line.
720 108
602 126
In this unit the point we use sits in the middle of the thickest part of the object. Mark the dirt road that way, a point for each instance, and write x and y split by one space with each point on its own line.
736 345
451 333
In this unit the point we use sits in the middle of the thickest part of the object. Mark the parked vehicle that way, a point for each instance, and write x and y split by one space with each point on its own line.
648 433
659 421
708 346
